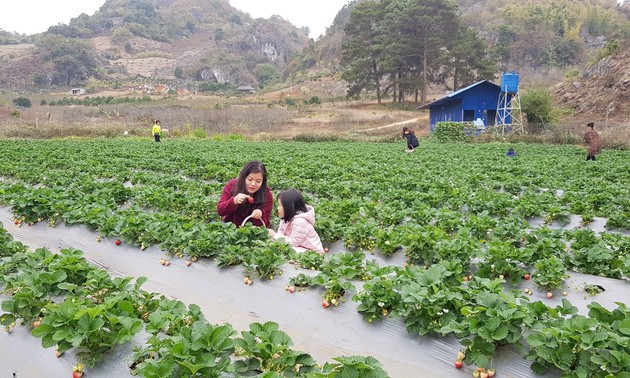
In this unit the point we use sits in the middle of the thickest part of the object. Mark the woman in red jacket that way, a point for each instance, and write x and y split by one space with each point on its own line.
247 196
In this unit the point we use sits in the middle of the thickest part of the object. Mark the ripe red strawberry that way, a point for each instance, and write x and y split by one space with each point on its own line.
325 304
458 364
291 289
250 200
118 242
326 249
77 374
527 277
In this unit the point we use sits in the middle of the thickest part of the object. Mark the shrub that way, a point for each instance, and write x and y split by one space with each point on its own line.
179 72
314 100
449 132
22 101
289 102
537 104
199 133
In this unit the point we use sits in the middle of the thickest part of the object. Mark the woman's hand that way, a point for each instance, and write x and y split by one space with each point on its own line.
271 232
257 214
240 198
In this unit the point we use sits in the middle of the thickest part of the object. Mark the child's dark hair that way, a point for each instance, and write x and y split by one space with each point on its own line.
253 166
292 202
408 130
511 149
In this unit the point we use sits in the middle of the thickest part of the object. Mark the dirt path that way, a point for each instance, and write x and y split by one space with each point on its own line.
415 120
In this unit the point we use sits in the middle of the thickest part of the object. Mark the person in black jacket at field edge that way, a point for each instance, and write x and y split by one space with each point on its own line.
410 136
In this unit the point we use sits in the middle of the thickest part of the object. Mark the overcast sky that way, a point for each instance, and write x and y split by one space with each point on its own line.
35 16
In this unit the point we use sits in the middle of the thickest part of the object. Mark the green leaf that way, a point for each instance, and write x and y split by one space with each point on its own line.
538 368
43 330
624 327
139 282
500 333
126 306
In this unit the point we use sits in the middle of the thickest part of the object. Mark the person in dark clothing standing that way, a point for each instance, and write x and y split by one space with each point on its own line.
410 136
593 141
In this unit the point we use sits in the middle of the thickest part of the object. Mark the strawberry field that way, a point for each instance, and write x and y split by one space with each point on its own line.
451 261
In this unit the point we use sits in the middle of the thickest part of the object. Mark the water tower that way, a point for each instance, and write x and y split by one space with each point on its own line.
509 114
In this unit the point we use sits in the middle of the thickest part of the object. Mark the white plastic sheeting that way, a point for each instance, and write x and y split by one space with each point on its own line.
323 333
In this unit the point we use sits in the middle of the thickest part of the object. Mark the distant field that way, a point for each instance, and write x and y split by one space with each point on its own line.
456 229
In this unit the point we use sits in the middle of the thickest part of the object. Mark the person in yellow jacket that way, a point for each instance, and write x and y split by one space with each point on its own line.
157 130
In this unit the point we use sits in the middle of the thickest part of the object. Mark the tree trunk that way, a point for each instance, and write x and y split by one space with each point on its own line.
401 92
423 86
377 82
395 87
455 79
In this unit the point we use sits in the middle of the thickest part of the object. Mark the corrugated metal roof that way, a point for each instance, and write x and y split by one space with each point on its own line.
455 94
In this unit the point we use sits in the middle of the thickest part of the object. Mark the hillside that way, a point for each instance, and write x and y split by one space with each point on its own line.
187 44
601 93
130 39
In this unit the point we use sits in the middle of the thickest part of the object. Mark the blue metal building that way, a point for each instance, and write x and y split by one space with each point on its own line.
476 103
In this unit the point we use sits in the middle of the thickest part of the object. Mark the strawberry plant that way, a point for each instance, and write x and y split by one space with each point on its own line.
502 260
266 349
430 298
9 246
593 346
335 288
557 214
351 366
328 229
310 260
550 273
361 234
301 280
461 246
92 323
377 299
348 265
266 258
490 320
420 242
388 240
199 349
542 243
25 304
231 255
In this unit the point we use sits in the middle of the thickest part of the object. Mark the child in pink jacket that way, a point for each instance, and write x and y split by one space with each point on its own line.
297 221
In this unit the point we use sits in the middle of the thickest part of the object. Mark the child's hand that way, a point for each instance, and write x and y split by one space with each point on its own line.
271 232
257 214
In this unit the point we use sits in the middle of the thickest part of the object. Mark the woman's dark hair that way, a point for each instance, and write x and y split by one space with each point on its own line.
407 129
253 166
292 202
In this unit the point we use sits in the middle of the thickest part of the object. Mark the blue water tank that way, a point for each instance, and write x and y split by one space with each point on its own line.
509 82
